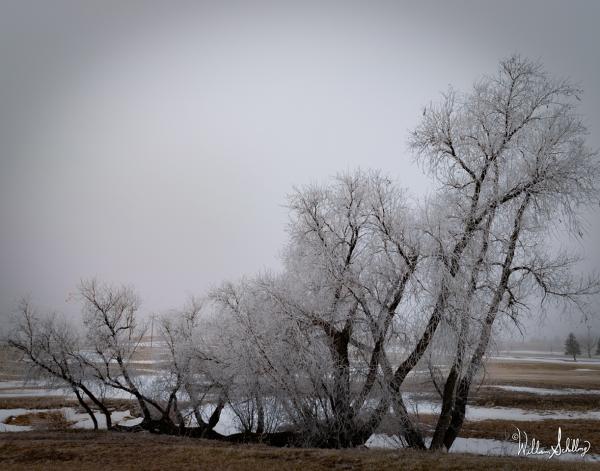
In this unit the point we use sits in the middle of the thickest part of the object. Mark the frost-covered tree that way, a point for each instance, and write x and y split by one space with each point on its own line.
364 273
374 285
511 159
589 341
353 251
52 350
195 371
114 333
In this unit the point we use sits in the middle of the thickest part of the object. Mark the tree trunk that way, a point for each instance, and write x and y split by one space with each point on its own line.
458 413
343 427
460 405
86 407
260 419
216 415
99 404
445 417
412 435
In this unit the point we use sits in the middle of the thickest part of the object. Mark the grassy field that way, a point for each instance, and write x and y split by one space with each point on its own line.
113 450
544 374
51 446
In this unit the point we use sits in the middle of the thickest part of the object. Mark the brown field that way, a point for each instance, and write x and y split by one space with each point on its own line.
490 397
545 430
56 402
113 450
51 446
51 420
544 375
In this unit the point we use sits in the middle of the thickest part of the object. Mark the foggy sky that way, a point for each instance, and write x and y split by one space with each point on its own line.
155 144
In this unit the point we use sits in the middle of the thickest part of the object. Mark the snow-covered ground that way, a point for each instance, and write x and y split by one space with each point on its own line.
6 413
543 357
154 344
229 424
415 402
80 420
30 392
477 413
479 446
147 383
546 391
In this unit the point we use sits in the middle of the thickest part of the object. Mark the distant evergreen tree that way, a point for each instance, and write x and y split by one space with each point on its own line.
598 348
572 346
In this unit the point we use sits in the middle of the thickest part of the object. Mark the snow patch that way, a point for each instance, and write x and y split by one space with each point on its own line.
81 420
546 391
542 359
477 446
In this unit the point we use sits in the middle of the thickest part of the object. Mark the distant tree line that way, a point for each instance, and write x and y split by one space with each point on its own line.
573 348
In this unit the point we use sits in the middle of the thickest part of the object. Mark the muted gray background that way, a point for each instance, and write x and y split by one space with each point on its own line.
154 144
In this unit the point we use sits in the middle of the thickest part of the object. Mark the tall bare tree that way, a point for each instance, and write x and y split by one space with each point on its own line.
511 156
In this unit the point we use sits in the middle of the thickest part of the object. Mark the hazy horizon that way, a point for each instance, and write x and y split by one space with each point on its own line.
155 144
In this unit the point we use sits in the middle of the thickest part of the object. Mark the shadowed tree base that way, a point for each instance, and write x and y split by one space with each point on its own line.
277 439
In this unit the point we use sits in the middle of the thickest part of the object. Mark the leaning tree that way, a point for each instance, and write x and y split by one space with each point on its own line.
511 160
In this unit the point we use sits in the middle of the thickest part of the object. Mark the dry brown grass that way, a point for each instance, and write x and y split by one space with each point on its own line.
50 420
110 450
56 402
546 375
545 430
37 402
490 397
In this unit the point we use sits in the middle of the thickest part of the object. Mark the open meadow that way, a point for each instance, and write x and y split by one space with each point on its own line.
45 428
304 235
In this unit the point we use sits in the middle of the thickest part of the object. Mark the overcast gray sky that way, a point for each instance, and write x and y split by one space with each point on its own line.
154 144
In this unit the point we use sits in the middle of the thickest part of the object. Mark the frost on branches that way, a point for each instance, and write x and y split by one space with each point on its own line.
375 287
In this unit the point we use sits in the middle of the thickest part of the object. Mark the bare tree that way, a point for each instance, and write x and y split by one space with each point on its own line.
353 251
589 341
114 332
195 371
52 348
512 154
305 356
